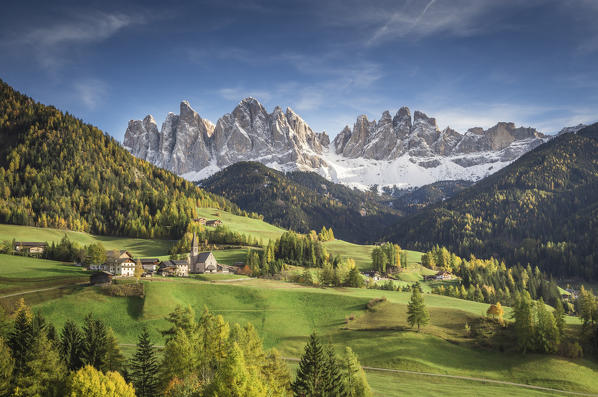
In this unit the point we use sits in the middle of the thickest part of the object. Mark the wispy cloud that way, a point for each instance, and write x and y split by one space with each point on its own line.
90 92
50 44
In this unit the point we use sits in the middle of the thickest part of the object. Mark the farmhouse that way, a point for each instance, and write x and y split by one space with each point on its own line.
119 263
214 222
149 264
31 247
179 268
440 276
201 221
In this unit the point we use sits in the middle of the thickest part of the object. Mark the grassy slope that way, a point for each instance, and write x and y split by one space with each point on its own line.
19 273
285 314
137 247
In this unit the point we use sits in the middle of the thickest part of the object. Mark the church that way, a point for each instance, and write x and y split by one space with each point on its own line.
203 262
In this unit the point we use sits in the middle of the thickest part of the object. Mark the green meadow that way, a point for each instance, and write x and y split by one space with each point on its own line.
136 246
284 314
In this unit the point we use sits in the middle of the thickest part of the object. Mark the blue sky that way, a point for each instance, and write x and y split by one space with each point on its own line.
466 62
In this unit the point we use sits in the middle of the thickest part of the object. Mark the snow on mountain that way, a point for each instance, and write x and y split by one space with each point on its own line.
395 150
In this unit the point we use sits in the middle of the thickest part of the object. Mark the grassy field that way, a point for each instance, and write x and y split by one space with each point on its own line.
24 274
136 246
243 224
284 314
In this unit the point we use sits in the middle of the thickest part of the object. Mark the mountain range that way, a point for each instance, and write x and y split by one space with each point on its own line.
400 150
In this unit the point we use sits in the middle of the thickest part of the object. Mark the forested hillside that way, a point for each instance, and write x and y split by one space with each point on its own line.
542 209
57 171
303 201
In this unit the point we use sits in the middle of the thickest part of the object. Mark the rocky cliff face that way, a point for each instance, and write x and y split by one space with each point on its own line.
402 150
188 144
390 138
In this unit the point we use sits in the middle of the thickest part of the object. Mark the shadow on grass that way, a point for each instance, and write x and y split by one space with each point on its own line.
135 306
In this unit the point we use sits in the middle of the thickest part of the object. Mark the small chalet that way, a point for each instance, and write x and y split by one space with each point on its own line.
178 268
149 264
440 276
214 222
100 278
119 263
201 221
31 247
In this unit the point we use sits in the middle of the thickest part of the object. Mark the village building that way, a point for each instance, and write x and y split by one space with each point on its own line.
178 268
119 263
31 247
214 222
201 221
204 262
149 265
100 278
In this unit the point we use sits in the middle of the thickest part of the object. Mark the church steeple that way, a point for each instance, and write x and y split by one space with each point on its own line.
194 247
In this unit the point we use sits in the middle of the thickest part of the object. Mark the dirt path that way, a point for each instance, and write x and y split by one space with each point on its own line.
39 290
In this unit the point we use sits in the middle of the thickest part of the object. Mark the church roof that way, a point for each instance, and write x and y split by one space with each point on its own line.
202 257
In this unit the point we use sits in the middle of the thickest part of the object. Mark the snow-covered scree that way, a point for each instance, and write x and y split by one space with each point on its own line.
400 151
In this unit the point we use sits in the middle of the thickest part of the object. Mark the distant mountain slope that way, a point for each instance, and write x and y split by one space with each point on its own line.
56 171
542 209
303 201
409 201
401 150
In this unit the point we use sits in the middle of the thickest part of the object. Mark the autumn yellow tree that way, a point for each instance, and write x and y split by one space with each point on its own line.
89 382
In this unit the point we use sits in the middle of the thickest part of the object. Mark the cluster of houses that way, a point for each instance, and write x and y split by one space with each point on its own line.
122 263
208 222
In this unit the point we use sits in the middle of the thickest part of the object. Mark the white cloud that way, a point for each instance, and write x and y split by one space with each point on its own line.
50 44
90 92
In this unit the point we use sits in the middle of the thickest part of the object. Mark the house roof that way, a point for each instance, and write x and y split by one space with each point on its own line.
145 261
173 263
31 243
203 256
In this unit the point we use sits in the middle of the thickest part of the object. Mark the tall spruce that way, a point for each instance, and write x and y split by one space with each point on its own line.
94 346
71 344
144 367
356 384
311 372
334 381
114 357
21 338
417 313
523 314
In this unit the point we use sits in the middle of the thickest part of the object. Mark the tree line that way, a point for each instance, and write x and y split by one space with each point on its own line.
206 356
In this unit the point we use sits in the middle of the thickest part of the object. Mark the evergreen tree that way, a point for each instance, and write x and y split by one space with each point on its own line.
333 380
356 384
547 332
523 315
354 279
559 316
44 372
311 372
94 346
6 368
21 338
70 346
114 357
144 367
417 313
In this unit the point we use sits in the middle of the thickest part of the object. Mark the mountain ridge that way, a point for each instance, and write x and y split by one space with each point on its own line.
383 152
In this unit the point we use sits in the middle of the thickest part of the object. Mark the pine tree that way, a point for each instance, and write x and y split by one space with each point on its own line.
417 313
6 367
310 375
547 333
94 346
559 316
356 384
114 357
333 379
523 315
21 338
144 367
71 341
